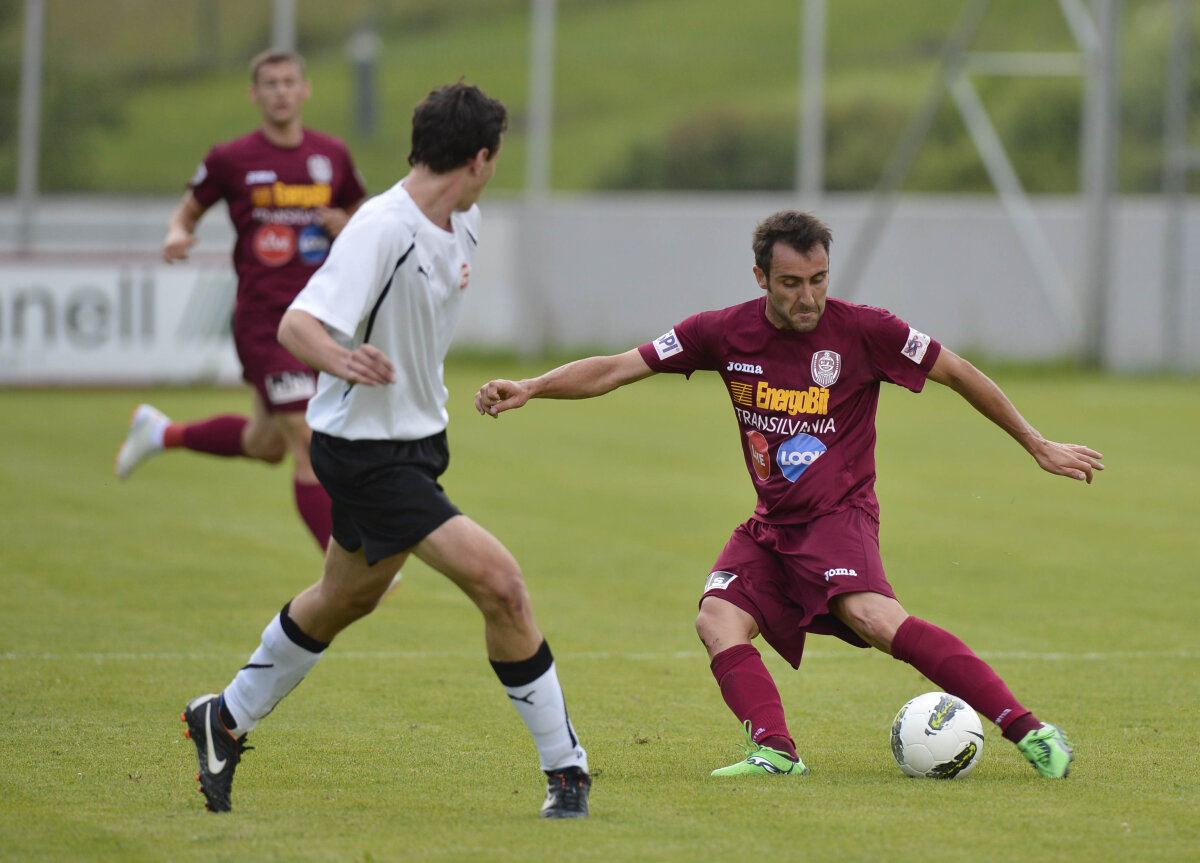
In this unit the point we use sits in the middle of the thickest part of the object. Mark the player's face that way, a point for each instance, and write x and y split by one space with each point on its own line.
796 287
279 90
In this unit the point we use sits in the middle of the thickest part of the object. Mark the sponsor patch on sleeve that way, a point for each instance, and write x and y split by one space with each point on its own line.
915 346
719 580
667 344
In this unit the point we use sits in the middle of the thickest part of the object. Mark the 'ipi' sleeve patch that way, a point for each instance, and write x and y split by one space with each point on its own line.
667 344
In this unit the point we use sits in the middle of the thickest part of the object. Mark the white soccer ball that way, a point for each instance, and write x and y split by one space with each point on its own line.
938 736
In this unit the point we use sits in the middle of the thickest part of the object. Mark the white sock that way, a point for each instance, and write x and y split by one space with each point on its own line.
540 704
274 670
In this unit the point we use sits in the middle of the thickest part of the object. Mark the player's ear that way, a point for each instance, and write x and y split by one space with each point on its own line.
760 277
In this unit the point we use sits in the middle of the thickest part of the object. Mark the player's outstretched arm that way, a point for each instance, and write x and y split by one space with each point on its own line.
581 379
1065 459
308 340
181 229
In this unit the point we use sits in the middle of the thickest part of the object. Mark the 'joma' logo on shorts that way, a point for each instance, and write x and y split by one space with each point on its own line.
841 570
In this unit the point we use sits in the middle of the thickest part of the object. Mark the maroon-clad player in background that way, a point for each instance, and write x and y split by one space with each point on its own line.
802 373
290 191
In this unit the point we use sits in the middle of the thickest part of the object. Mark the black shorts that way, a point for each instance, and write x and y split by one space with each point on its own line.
384 494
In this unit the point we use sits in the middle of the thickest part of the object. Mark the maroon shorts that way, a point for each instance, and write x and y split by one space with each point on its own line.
284 382
784 576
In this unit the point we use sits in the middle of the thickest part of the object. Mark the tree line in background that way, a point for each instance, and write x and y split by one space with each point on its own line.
721 146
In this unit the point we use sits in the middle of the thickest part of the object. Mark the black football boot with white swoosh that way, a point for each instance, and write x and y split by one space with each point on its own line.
566 793
217 750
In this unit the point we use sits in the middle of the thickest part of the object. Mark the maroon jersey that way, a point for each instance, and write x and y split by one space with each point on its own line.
273 195
804 402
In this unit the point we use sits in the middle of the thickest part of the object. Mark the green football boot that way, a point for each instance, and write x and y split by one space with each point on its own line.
1048 750
762 761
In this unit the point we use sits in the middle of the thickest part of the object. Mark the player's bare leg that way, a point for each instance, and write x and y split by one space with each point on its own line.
487 573
349 589
748 690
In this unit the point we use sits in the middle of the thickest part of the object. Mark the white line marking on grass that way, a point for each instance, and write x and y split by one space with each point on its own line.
1017 655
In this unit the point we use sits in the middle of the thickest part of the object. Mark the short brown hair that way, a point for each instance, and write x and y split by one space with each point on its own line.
274 55
798 230
452 124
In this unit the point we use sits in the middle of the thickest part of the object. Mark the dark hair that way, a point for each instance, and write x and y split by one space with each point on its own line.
452 124
799 230
274 55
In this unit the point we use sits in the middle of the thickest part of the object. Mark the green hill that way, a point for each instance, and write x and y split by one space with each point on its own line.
648 93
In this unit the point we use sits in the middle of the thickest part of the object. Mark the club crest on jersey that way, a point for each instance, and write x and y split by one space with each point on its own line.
826 366
320 168
667 344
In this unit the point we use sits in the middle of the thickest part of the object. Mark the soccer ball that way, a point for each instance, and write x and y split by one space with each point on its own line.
938 736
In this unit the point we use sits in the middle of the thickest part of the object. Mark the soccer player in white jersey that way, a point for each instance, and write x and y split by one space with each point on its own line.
376 321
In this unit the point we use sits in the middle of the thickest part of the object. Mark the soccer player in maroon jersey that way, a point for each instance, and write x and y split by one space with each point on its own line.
289 190
802 372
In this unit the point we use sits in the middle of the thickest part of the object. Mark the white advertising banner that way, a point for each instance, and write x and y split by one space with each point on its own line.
116 323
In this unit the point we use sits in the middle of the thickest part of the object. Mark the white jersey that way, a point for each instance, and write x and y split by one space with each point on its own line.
395 280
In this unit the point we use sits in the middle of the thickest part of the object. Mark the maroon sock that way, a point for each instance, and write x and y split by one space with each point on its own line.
313 503
950 664
219 435
748 689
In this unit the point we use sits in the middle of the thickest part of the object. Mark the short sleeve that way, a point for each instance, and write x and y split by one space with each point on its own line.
208 183
900 353
683 349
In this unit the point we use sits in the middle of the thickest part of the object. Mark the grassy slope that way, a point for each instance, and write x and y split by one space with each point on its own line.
121 601
627 72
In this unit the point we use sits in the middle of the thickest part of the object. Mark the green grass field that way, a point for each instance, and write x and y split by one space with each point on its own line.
118 602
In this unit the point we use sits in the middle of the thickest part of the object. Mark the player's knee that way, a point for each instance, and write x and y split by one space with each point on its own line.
714 623
873 619
264 447
501 594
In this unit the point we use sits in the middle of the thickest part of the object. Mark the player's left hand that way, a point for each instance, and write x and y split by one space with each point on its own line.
332 219
366 365
1068 459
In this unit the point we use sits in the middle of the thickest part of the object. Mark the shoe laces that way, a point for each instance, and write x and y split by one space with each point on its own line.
749 747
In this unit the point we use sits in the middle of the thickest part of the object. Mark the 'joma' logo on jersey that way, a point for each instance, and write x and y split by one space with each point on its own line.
748 368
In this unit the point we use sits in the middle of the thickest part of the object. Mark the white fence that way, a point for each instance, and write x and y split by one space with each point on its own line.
597 272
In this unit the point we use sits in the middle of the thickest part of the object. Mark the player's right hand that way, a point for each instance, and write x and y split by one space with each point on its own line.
497 396
177 245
